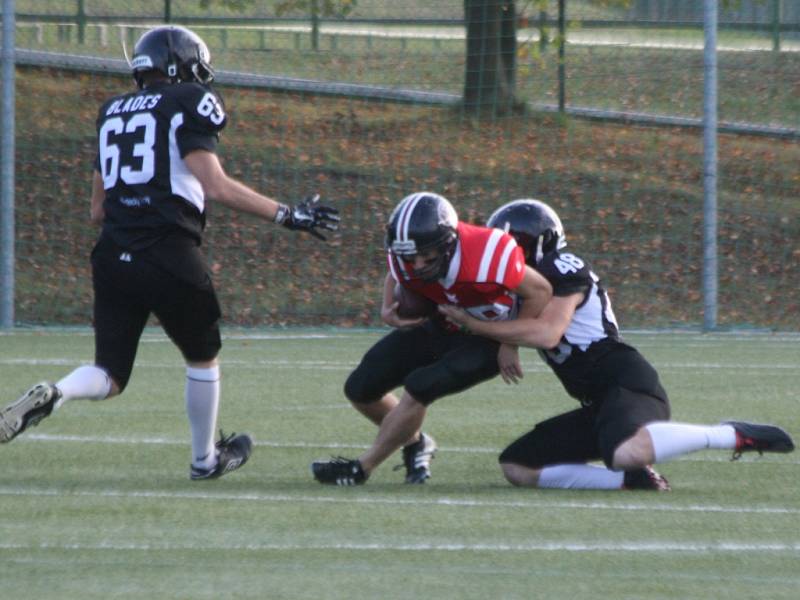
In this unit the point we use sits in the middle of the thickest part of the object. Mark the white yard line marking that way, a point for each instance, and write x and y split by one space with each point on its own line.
577 546
347 498
722 456
154 334
349 365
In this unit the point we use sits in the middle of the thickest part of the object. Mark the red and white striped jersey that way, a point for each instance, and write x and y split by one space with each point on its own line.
486 266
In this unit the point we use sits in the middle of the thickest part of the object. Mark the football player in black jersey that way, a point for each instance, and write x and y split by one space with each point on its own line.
156 166
624 414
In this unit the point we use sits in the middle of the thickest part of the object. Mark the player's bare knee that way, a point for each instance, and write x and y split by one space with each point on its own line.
115 389
520 476
635 452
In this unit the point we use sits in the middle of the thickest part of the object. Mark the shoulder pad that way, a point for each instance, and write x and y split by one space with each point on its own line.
566 272
203 107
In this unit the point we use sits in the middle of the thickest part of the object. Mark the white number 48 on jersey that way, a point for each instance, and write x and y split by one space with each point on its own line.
568 263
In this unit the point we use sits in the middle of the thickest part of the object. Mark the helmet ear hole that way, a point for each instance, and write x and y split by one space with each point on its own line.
547 240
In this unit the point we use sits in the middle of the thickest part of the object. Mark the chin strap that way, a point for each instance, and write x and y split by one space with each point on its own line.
125 52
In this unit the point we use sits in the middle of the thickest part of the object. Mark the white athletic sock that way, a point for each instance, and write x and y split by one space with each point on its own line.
202 402
674 439
580 477
88 382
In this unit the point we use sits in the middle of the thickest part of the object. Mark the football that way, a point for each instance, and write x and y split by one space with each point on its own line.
411 305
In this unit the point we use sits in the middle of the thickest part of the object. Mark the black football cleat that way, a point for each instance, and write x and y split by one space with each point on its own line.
754 437
232 452
417 459
339 471
646 478
33 406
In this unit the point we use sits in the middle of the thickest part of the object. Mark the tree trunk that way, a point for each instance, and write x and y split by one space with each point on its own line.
489 82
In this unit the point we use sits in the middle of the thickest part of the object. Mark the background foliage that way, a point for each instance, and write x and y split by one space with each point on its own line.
631 197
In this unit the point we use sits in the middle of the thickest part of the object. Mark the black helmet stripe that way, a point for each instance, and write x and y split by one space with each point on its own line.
172 64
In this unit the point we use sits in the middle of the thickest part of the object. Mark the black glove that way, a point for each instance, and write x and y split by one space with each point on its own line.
308 216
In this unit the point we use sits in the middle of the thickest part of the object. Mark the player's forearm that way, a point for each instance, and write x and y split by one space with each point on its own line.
388 290
239 197
218 186
535 292
532 333
96 212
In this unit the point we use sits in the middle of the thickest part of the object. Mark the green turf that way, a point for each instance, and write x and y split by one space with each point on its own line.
97 502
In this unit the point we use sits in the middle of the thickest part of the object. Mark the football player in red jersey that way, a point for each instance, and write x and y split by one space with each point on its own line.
156 166
624 414
474 267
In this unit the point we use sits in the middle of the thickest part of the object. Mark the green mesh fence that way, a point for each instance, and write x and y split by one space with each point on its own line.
631 196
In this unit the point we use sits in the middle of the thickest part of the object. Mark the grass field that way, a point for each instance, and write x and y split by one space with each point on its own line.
97 502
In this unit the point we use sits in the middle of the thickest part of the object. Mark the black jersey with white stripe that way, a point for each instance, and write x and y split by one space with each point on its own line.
580 358
143 137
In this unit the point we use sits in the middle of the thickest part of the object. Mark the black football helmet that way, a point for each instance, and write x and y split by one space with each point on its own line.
534 225
177 52
422 222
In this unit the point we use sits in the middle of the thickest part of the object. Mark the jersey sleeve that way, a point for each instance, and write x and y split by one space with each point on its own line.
101 115
204 118
567 273
515 268
502 262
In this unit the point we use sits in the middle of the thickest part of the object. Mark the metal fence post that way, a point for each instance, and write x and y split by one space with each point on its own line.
7 169
81 20
776 25
315 25
562 41
710 12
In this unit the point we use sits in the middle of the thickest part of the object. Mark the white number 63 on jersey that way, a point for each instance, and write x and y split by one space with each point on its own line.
210 107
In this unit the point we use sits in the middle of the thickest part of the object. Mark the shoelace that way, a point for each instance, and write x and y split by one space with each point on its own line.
414 457
747 444
340 460
337 461
224 441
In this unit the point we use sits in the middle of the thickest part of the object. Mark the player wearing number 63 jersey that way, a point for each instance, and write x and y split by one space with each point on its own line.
624 413
473 267
153 194
156 167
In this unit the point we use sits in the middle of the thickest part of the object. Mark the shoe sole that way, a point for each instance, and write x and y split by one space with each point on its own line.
13 417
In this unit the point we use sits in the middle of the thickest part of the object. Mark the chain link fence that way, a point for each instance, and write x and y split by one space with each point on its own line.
367 108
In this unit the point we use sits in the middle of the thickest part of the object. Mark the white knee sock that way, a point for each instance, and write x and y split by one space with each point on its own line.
202 402
87 382
580 477
674 439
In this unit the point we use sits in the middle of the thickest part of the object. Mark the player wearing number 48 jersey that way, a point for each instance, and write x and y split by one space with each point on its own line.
624 413
474 267
156 167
